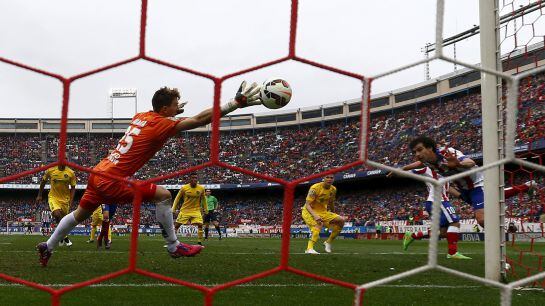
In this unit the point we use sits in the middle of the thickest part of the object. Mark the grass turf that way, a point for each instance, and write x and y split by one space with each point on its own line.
355 261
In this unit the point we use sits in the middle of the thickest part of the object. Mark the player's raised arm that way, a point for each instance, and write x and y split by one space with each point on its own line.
246 96
416 165
39 198
456 159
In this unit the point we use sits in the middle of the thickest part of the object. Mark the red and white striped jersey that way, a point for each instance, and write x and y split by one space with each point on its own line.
46 216
427 171
466 183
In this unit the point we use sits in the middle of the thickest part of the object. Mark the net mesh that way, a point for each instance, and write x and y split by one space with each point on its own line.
521 42
289 186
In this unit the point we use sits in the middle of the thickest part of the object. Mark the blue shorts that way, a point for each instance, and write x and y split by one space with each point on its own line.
111 208
448 213
474 197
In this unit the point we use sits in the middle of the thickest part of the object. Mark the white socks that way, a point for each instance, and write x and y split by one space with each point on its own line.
163 213
65 226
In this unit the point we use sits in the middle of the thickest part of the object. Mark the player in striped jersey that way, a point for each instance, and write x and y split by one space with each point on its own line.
448 161
449 221
46 222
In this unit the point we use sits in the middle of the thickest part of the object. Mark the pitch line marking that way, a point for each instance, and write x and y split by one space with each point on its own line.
227 253
130 285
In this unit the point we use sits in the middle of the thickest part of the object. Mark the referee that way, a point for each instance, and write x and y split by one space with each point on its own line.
212 215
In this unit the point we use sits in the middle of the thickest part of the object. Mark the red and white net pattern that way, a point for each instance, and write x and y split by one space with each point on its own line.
214 160
289 186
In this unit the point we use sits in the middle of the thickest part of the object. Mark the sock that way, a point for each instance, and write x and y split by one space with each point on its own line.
218 229
313 238
452 239
104 230
418 235
65 226
199 234
163 213
334 233
93 230
206 232
109 233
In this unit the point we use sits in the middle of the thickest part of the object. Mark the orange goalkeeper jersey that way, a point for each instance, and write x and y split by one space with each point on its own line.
146 134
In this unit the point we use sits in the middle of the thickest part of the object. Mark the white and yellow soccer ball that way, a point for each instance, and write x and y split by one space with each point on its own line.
275 93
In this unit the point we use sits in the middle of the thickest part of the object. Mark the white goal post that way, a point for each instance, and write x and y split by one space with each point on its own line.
492 134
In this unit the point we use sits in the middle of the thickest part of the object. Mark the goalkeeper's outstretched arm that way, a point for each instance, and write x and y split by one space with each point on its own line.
246 96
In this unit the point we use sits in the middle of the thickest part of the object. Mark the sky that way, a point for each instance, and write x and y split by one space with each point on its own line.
218 37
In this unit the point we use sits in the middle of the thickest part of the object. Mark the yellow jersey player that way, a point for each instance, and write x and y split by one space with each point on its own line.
318 213
96 220
61 195
193 207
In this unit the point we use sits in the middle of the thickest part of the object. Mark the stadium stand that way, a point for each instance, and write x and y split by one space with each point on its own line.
293 151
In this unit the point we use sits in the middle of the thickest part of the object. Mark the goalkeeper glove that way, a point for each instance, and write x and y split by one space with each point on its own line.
246 96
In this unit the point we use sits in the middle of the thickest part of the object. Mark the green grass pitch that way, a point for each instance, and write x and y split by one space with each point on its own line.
355 261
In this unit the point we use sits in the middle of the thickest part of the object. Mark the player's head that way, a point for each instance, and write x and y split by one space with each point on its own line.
165 101
328 179
193 179
423 149
208 192
61 167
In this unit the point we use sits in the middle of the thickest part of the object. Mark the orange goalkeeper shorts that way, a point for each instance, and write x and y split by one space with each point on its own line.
105 190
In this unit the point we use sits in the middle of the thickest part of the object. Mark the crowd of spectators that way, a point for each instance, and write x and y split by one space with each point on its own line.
297 151
531 119
287 153
294 151
19 153
391 132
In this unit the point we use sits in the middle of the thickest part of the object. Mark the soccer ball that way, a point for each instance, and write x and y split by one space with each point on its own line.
275 93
